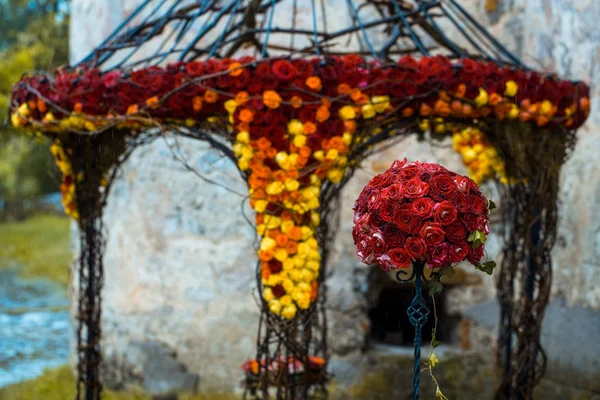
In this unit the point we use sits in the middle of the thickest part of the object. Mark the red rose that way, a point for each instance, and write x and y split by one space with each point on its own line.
393 192
445 213
375 219
382 180
435 168
432 233
377 243
278 290
456 232
475 255
438 256
284 70
415 247
374 200
459 201
459 251
304 68
473 222
364 251
393 236
399 258
410 171
415 188
407 221
422 207
398 164
442 187
388 210
462 183
476 203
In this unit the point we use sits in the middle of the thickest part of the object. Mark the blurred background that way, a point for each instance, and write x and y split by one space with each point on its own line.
178 313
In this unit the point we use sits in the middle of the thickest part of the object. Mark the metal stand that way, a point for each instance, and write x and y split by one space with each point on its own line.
418 312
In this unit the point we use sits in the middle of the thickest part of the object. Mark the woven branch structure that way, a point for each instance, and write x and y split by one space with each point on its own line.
297 106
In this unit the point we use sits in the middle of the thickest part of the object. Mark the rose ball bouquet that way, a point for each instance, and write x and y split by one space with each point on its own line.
419 212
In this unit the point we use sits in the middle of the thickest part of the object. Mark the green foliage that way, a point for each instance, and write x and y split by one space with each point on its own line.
59 384
40 245
487 267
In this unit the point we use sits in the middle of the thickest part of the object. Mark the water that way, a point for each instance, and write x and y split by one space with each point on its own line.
34 327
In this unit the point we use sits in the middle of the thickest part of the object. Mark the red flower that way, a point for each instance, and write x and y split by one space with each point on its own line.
284 70
194 68
274 266
442 187
278 290
415 247
393 192
382 180
377 243
476 204
399 258
459 201
432 233
393 236
456 232
438 256
407 221
459 251
304 69
473 222
410 171
414 188
475 255
397 165
388 210
445 213
364 251
422 207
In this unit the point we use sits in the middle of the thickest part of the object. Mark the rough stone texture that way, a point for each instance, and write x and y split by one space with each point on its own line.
180 260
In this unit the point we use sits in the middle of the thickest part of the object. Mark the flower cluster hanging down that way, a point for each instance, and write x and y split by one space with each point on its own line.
420 211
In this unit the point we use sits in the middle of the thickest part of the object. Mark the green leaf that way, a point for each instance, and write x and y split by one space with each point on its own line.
471 236
435 344
435 287
448 271
491 205
487 267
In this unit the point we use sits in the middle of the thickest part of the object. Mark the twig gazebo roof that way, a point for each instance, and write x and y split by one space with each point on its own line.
297 105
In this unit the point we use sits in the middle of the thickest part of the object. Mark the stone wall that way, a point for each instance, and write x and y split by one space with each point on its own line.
180 262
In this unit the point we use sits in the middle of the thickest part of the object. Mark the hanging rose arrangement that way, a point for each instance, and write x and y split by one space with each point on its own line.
420 211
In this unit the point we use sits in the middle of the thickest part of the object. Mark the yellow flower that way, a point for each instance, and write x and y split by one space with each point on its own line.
380 103
440 128
424 125
332 154
274 279
514 112
268 294
296 275
312 243
335 175
347 138
315 219
288 264
303 302
272 222
280 254
267 244
313 265
511 89
295 127
347 112
286 300
307 232
291 185
289 312
49 117
275 307
482 98
314 255
247 152
367 111
260 206
307 275
319 155
15 120
274 188
23 110
288 285
243 137
230 105
433 360
299 140
546 107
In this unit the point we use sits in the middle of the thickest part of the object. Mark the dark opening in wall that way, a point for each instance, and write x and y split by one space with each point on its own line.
389 319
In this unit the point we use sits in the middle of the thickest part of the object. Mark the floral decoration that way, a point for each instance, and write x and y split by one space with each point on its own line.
293 124
420 211
293 365
67 186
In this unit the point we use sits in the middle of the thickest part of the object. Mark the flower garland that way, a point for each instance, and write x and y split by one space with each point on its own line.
295 123
67 187
420 211
478 155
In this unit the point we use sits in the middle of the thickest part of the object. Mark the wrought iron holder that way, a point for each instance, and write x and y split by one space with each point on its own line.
418 312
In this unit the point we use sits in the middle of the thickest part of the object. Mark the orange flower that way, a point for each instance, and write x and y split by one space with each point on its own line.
314 83
444 96
282 240
132 109
542 120
407 112
363 99
314 290
241 98
32 104
246 115
343 88
291 247
301 161
263 143
467 110
243 127
441 108
197 103
152 102
77 108
271 152
210 96
295 233
296 101
355 95
525 104
271 99
323 114
524 116
462 90
273 233
41 105
309 128
235 69
326 102
304 151
260 218
337 143
456 107
584 103
350 126
265 255
495 99
265 272
425 110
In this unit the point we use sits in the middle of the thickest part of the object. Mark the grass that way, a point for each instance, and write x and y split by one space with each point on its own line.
39 246
59 384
